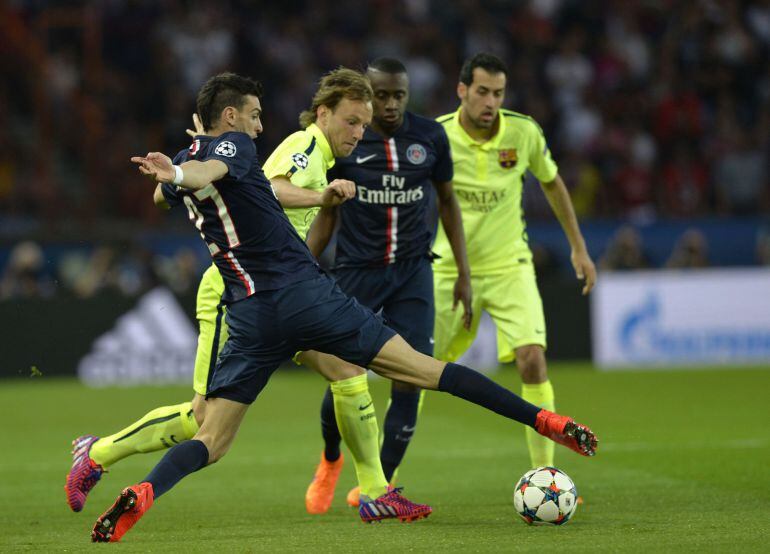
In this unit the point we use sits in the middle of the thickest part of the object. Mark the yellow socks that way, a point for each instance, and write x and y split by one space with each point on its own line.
357 422
540 447
158 429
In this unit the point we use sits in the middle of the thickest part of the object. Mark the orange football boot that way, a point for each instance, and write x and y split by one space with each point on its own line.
131 505
567 432
353 498
320 492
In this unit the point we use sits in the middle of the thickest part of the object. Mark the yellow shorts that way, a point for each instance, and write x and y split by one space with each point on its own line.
510 298
212 332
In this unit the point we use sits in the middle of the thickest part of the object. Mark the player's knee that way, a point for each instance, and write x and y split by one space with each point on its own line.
344 370
530 361
331 367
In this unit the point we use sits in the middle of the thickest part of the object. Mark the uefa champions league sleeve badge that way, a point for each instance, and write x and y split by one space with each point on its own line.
225 148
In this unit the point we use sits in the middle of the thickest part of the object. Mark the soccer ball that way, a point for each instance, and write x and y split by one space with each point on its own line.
545 496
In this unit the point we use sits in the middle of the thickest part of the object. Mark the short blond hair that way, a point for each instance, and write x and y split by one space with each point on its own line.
333 87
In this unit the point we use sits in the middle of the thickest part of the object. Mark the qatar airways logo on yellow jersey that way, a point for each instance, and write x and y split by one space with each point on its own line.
480 200
392 192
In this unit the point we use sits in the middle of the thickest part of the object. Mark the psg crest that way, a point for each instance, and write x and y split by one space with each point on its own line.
416 153
507 158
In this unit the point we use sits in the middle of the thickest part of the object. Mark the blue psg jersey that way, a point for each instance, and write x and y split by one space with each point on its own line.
250 238
388 220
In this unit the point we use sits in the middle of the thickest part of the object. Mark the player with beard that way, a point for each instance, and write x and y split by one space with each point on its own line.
493 148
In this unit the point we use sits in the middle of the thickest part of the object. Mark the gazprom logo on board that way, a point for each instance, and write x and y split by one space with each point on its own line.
643 336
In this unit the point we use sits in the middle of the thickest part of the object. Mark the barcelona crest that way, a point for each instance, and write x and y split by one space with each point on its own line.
507 158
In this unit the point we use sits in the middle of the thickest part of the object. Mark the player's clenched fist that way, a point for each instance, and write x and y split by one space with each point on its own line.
156 166
338 191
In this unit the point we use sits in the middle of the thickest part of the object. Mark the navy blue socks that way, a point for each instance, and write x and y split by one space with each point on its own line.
398 429
329 430
181 460
474 387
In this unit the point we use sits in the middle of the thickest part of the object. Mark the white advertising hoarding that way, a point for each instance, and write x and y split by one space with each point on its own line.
676 318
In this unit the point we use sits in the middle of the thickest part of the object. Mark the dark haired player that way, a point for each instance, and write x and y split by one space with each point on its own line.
493 148
383 256
279 302
340 110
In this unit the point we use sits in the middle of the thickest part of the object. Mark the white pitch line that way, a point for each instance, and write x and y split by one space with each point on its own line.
657 446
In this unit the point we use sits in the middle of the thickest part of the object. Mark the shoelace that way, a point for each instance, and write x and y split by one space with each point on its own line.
394 496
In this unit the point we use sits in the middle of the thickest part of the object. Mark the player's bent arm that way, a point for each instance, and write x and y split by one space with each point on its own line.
159 199
452 221
198 175
292 196
558 197
321 230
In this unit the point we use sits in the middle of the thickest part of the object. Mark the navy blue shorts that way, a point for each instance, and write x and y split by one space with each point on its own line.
404 293
269 327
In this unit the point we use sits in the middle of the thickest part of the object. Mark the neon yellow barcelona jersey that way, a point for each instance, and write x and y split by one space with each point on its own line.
488 181
304 158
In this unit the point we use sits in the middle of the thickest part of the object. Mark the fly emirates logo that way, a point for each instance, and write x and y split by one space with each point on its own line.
392 192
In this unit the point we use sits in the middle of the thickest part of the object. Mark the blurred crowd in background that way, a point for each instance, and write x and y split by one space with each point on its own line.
654 109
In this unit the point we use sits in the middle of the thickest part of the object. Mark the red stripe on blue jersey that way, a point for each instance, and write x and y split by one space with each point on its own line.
391 229
248 235
390 217
244 277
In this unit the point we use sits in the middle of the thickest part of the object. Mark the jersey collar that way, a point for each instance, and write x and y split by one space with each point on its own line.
322 143
492 143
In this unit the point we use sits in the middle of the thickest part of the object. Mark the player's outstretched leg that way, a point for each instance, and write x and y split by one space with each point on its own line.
211 442
158 429
84 473
130 506
471 385
397 360
134 501
391 505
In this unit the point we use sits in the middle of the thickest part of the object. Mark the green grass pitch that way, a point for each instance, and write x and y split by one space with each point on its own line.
683 466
